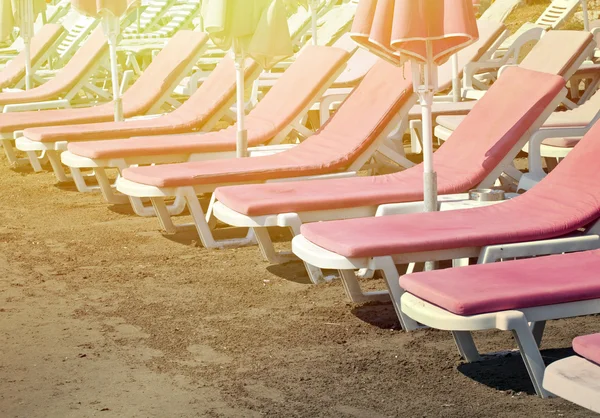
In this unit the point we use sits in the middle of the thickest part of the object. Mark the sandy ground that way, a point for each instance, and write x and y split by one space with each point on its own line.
102 315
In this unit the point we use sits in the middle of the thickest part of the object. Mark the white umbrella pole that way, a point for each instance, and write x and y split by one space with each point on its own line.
456 93
28 71
586 18
315 18
242 134
111 29
26 34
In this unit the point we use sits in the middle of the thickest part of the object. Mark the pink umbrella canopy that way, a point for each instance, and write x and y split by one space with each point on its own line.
97 8
398 30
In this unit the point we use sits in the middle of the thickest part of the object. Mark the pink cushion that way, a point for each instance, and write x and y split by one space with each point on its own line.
510 285
167 67
588 346
496 125
567 199
216 92
357 123
297 88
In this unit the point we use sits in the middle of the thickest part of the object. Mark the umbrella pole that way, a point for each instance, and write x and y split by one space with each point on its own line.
586 18
111 29
456 93
27 50
242 134
315 18
426 91
26 34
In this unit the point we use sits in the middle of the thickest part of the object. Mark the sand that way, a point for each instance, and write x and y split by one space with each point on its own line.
102 315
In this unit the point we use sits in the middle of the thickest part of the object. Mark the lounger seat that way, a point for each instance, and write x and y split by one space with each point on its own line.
462 163
14 71
332 149
577 379
296 90
568 199
138 100
216 92
588 346
524 284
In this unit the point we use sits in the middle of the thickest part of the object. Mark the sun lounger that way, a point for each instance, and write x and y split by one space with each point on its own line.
563 207
558 52
180 16
270 122
474 157
200 113
342 146
147 95
518 296
577 378
13 74
499 10
149 18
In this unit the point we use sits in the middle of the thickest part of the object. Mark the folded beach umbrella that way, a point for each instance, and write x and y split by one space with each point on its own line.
249 28
21 14
426 33
109 11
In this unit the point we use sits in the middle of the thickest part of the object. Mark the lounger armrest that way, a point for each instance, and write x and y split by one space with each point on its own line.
51 104
321 177
494 253
534 159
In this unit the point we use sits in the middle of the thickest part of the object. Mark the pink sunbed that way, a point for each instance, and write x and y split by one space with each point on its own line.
474 157
518 296
13 73
146 95
270 122
566 202
345 143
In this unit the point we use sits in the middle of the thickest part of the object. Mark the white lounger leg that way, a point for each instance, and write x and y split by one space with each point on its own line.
530 353
57 166
10 151
466 346
163 215
537 330
35 161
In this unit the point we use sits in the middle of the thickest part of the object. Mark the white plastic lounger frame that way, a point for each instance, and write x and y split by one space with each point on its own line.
527 325
53 149
576 380
203 221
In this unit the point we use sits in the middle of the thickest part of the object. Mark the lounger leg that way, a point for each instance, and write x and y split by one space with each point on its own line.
390 274
415 136
460 262
466 346
34 161
531 357
106 188
163 215
204 231
57 166
10 152
537 329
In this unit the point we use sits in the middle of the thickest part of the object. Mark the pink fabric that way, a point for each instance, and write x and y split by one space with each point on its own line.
357 123
14 71
94 48
395 29
588 346
567 199
495 125
137 100
297 89
216 92
518 284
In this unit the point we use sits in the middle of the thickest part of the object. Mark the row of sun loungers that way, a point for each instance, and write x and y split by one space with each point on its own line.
169 156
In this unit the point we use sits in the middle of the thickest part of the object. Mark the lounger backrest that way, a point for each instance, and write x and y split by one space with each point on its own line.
214 93
336 22
359 121
151 14
298 86
488 33
557 13
499 10
165 69
88 56
496 124
558 52
40 44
